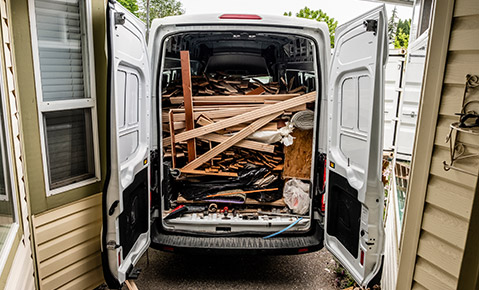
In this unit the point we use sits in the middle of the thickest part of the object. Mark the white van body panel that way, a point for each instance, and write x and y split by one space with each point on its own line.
125 235
355 192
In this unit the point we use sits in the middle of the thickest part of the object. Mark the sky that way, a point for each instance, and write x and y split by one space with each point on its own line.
341 10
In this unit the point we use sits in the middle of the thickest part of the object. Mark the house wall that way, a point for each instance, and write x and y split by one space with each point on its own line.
439 205
65 228
18 272
67 245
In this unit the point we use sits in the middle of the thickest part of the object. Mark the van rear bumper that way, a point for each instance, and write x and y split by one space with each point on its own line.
235 245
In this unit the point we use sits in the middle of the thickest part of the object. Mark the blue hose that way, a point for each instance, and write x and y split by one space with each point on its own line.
283 230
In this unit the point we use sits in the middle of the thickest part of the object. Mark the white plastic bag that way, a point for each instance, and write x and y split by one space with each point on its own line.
296 195
270 137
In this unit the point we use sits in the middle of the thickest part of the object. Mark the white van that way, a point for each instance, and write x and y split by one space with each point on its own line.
347 147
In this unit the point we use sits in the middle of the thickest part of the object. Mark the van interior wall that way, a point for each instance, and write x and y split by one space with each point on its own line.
237 134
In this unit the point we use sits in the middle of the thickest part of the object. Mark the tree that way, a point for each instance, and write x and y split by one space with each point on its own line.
130 5
318 15
160 8
392 24
398 30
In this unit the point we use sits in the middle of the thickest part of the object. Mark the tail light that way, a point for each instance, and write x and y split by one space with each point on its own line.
241 16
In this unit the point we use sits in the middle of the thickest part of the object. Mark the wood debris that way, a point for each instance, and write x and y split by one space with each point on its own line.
206 118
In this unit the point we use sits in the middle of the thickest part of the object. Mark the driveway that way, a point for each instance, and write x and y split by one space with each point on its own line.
171 271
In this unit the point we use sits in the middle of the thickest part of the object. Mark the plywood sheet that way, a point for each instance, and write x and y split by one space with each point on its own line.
298 157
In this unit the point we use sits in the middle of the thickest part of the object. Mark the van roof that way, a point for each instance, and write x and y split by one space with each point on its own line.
202 19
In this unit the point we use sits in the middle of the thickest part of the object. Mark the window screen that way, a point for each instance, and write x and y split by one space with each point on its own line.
69 146
65 100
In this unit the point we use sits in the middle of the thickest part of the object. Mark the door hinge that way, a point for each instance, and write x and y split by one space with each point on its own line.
371 25
111 245
120 18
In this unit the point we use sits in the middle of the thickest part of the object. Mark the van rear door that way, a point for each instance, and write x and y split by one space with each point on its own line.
354 208
126 195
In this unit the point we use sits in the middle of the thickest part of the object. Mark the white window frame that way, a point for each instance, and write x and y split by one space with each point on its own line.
8 244
89 102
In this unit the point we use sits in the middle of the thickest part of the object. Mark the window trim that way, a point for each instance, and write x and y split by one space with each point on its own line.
7 246
86 103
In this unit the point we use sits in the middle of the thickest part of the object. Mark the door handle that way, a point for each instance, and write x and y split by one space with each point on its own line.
412 114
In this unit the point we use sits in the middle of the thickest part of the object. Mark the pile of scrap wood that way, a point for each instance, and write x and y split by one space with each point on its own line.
207 119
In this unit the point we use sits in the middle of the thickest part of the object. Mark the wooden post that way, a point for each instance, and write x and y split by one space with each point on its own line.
172 138
188 101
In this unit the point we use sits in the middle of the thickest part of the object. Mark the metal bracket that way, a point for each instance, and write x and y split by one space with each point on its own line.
371 25
120 18
111 245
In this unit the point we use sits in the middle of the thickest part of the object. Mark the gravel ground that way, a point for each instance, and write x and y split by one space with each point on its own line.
173 271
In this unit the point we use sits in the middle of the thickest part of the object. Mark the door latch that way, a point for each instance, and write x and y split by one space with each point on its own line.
120 18
111 245
371 25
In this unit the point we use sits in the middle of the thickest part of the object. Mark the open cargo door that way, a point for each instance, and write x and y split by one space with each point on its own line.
354 208
126 196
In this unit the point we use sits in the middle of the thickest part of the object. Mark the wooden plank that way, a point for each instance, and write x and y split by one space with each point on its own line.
188 100
298 156
131 285
245 98
246 117
256 91
220 112
202 172
248 201
243 143
231 140
171 118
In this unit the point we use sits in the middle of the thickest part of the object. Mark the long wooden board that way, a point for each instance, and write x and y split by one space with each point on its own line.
249 201
231 141
188 100
202 172
220 112
246 117
243 143
172 138
238 98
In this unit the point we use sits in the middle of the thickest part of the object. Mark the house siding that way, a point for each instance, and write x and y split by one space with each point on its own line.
449 194
67 244
19 272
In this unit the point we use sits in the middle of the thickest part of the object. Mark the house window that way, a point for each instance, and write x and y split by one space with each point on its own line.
8 214
61 31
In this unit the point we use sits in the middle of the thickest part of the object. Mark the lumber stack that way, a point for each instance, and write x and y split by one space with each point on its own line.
206 120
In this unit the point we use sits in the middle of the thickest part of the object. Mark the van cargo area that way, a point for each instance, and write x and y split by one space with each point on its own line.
237 129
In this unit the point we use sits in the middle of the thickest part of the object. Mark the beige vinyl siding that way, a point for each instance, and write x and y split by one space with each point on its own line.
450 194
68 245
21 272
